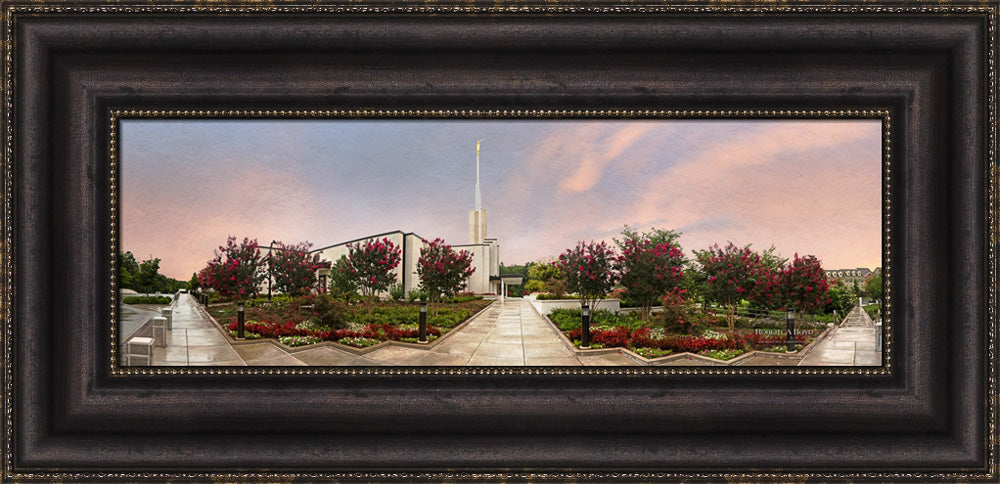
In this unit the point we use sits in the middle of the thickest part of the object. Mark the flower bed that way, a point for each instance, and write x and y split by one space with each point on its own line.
300 321
712 343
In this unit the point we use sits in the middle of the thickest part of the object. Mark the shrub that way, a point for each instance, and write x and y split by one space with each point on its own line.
396 292
330 312
651 352
246 334
147 300
544 296
358 342
461 298
721 354
415 294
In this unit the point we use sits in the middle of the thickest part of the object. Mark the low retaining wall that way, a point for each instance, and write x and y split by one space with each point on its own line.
545 307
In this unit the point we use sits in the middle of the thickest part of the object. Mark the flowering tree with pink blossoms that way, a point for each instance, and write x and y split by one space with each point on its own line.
733 274
236 271
649 269
371 265
292 268
803 285
442 270
589 270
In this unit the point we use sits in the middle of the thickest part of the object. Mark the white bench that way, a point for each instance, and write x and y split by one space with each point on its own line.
139 351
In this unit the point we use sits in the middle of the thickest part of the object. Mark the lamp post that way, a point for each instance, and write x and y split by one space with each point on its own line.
240 321
585 326
790 330
269 272
422 325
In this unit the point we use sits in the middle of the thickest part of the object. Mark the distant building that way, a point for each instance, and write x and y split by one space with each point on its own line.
850 276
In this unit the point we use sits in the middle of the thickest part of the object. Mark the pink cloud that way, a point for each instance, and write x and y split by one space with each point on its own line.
597 155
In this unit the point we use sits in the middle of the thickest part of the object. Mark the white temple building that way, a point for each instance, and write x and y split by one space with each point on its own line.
485 252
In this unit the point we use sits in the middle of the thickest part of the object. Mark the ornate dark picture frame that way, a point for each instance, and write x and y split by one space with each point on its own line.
929 414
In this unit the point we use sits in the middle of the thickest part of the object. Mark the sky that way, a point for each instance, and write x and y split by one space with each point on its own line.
803 186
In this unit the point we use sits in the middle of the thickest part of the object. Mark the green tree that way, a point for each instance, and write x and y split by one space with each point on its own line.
193 284
341 284
873 285
145 276
841 298
127 267
542 276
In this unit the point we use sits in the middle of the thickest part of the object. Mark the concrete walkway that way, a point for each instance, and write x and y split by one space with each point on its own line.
194 340
853 343
509 333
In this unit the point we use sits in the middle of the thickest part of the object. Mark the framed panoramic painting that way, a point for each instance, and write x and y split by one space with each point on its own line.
580 241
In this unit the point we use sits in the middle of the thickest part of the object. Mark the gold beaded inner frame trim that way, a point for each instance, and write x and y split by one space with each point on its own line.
114 141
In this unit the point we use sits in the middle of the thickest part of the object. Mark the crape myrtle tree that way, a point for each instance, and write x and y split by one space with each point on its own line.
650 266
292 268
803 285
732 274
765 293
589 270
442 270
237 269
371 265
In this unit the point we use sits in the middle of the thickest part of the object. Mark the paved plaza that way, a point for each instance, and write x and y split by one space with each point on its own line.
853 343
507 333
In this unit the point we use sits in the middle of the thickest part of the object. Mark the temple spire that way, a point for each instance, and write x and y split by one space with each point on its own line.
477 216
479 197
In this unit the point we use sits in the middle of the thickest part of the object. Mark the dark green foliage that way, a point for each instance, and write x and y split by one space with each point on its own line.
341 283
145 277
569 319
396 292
147 300
330 312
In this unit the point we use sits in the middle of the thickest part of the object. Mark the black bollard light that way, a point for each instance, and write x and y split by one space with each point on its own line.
790 330
585 326
240 321
422 336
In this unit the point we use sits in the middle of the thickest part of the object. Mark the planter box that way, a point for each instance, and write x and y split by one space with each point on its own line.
545 307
